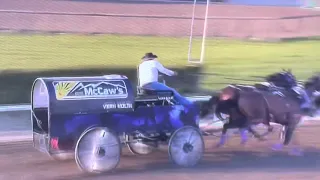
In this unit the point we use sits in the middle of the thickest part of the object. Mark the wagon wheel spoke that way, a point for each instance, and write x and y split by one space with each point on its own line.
98 150
181 151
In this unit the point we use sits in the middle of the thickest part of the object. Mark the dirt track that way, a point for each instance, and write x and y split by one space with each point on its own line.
255 161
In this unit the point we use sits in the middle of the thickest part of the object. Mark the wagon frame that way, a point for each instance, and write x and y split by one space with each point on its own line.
57 114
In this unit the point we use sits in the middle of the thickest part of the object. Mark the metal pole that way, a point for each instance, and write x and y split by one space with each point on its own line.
191 31
204 32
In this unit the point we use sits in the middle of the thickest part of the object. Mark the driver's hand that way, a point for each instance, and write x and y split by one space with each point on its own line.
175 73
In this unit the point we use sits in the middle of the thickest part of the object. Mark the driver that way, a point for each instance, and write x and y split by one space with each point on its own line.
148 76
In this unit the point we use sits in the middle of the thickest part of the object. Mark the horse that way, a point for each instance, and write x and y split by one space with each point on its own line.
304 93
247 106
312 86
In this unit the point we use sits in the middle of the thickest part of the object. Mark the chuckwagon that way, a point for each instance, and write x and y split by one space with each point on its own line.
93 117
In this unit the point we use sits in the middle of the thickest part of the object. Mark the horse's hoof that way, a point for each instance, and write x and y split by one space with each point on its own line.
277 147
219 145
243 143
296 152
262 139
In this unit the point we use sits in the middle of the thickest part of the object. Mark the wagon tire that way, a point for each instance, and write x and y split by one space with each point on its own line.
98 150
186 146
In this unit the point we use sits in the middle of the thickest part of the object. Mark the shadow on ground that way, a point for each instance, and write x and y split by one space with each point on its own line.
233 161
144 1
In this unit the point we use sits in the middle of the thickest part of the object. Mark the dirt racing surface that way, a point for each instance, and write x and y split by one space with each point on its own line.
254 161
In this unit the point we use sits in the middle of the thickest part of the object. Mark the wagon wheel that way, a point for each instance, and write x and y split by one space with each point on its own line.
137 146
98 150
186 146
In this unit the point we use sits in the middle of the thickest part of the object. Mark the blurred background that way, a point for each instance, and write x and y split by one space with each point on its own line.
244 40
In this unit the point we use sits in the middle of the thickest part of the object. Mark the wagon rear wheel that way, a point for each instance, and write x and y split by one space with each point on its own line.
186 146
98 150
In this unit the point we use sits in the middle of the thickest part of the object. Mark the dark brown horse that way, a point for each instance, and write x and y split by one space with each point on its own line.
312 86
248 106
245 109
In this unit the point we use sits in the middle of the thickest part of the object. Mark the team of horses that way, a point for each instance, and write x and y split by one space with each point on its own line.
272 101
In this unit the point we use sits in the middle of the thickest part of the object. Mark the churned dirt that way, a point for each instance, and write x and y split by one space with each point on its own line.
251 162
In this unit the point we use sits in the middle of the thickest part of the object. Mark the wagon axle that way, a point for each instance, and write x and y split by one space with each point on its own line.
139 136
101 152
187 147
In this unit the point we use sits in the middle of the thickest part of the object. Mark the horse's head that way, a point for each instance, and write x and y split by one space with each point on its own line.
274 78
313 84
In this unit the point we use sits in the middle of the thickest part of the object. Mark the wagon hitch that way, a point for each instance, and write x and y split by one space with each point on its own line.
101 152
140 136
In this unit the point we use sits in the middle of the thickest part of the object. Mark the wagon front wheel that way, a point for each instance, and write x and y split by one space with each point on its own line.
186 146
98 150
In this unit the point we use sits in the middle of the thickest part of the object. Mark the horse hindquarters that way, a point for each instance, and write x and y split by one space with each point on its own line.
255 108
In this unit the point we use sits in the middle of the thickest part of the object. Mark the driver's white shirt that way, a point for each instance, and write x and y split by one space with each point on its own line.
148 71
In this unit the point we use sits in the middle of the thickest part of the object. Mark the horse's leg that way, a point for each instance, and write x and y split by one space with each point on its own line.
254 132
270 128
290 137
223 137
285 132
282 134
248 127
243 131
288 132
292 124
244 136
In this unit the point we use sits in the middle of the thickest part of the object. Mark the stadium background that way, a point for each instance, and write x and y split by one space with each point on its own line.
92 37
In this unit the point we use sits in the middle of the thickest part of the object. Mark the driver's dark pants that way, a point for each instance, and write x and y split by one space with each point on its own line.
159 86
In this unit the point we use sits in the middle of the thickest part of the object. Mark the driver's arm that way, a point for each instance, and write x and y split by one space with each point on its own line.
163 70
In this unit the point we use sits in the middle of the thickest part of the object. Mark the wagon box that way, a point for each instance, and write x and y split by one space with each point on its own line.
71 114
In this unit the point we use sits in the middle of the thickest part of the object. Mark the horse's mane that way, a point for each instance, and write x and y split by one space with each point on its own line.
313 80
277 78
235 86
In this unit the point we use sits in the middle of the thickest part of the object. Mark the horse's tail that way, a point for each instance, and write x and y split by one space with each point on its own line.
217 109
208 106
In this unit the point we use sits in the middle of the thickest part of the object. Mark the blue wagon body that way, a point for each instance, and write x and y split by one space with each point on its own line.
63 108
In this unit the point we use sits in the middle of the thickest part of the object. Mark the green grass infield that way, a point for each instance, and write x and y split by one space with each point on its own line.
231 61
